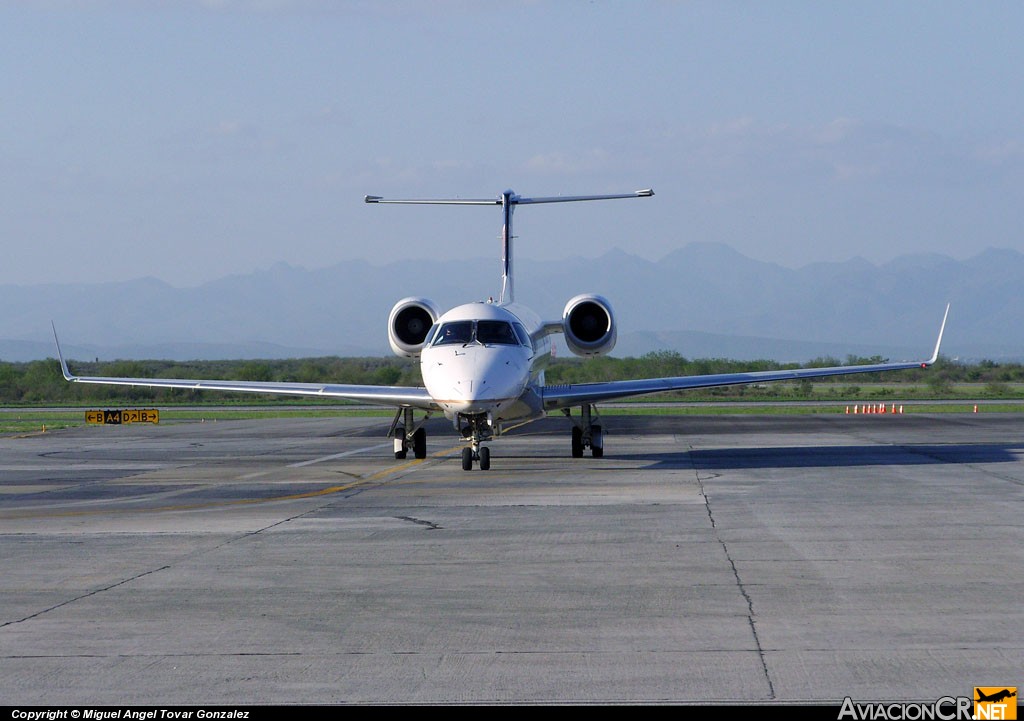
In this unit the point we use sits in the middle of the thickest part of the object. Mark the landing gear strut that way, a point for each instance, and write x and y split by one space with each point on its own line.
476 431
586 433
405 431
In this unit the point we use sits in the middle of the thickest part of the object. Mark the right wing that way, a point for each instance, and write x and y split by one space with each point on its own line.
400 396
564 396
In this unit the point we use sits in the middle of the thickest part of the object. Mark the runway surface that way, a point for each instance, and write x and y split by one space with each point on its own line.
705 559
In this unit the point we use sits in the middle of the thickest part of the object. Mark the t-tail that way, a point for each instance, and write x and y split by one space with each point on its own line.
508 202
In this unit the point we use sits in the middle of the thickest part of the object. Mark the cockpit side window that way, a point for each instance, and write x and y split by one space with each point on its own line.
524 337
498 332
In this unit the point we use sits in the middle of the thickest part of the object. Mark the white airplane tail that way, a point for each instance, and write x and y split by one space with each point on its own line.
508 201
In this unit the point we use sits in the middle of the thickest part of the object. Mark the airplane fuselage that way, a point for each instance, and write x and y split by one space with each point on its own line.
486 360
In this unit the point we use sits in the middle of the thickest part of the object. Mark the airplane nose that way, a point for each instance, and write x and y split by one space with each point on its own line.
485 393
478 393
475 380
471 390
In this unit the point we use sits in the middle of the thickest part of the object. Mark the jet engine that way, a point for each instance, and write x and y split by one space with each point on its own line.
408 324
588 325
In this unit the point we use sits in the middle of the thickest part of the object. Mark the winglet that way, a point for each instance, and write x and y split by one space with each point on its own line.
60 356
942 328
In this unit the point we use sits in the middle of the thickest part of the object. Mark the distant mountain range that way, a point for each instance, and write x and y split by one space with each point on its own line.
703 300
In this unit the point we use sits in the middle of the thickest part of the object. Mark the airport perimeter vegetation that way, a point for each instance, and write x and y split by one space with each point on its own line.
35 396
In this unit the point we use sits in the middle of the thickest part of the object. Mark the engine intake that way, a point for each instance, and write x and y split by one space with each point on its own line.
408 324
588 325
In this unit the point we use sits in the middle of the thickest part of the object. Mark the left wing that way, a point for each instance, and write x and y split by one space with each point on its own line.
564 396
384 395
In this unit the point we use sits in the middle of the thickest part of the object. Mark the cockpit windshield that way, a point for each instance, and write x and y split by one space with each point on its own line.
495 331
460 332
487 332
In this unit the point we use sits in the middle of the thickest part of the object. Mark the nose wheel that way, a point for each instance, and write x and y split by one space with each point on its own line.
482 455
475 429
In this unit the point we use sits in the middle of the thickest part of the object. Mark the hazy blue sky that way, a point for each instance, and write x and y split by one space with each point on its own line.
188 140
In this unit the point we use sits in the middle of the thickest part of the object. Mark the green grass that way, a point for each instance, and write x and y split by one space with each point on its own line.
37 422
25 421
786 409
201 414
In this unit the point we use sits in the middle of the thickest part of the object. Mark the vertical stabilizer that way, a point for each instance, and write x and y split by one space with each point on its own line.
508 205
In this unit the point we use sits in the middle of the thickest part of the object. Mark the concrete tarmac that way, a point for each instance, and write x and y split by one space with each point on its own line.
705 559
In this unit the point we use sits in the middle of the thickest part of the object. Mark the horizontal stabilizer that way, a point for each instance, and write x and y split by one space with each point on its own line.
513 199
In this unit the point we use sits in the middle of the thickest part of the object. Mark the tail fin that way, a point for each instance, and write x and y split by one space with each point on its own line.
508 200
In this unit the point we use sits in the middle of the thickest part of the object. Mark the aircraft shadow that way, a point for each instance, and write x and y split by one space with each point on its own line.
832 456
906 454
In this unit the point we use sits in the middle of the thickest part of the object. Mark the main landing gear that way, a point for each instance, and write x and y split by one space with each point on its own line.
586 433
406 432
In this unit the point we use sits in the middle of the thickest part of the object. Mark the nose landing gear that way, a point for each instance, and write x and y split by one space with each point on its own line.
476 431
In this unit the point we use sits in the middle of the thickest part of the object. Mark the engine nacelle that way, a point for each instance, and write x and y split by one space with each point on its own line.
588 325
408 324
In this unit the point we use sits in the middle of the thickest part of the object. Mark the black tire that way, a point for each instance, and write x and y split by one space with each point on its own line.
419 443
577 442
400 455
467 459
485 458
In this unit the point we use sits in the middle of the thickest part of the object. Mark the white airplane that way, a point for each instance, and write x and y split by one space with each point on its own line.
483 363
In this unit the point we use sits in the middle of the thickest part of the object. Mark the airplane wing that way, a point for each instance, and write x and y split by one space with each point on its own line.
564 396
384 395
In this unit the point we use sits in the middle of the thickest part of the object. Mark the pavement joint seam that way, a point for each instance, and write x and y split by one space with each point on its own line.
84 595
736 574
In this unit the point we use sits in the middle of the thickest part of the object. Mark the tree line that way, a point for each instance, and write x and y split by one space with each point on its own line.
41 382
